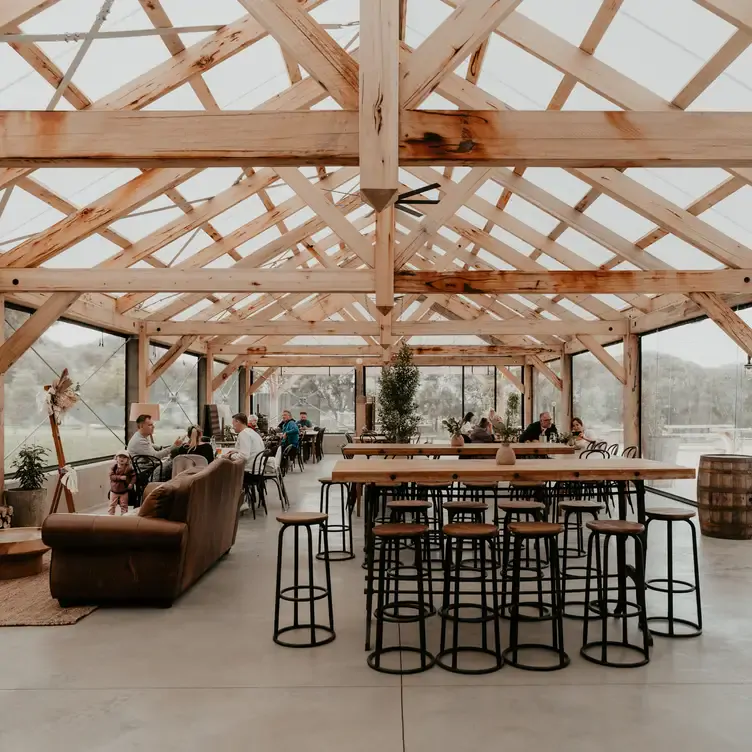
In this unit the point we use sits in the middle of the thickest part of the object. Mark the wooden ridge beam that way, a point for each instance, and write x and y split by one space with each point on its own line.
245 280
550 282
670 138
304 361
250 326
487 325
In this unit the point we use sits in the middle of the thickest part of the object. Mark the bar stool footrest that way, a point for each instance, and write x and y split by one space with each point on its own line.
509 652
696 628
307 627
451 653
615 644
430 660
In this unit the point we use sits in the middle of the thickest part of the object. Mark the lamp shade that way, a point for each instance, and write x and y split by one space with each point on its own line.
143 408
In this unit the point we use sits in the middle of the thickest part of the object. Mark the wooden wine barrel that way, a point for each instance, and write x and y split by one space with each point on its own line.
724 496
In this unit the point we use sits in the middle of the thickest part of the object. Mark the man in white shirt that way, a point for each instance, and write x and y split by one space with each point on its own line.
249 443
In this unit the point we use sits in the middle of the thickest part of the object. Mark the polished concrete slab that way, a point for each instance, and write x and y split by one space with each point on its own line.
205 674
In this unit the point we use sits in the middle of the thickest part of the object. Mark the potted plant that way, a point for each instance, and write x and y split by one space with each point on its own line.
29 499
509 431
453 426
398 387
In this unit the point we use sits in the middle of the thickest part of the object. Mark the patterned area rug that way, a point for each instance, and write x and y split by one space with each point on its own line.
26 602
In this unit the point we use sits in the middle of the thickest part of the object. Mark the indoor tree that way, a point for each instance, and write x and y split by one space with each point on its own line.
398 387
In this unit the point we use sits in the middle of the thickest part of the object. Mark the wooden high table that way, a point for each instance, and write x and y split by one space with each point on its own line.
621 471
445 449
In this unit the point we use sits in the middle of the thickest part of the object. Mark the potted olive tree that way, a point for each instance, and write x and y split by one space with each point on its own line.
29 500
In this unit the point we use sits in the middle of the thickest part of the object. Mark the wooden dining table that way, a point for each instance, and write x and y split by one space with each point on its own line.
619 470
445 449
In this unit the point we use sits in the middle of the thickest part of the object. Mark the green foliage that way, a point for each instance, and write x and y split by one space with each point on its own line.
398 408
509 428
29 467
452 425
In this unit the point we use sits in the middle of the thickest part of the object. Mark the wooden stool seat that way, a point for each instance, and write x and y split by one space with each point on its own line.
520 506
580 506
470 530
465 506
670 513
329 480
616 527
302 518
535 529
399 530
409 505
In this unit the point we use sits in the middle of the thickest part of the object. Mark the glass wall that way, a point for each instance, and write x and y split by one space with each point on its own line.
546 397
598 396
95 427
480 389
227 396
439 397
326 394
176 392
696 397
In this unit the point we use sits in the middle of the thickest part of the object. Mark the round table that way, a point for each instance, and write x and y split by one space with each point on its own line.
21 551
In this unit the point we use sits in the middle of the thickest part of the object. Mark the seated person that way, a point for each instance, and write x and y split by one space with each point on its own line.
195 445
248 443
580 435
303 422
467 424
253 423
483 432
290 430
543 427
142 443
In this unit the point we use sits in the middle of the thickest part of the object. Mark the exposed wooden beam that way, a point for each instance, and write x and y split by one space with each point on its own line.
484 351
604 357
169 357
731 323
596 282
540 366
487 325
259 382
565 416
287 328
33 328
528 376
306 42
736 12
451 43
331 138
143 364
631 416
183 280
227 371
379 102
303 361
15 12
507 374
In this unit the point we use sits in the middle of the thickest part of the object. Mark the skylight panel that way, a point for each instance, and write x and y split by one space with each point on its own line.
619 218
182 98
239 215
680 185
200 14
85 254
732 90
681 255
612 301
574 308
569 19
585 247
583 98
148 219
25 214
511 240
183 248
209 182
252 245
646 42
732 216
82 186
558 182
531 215
423 18
21 87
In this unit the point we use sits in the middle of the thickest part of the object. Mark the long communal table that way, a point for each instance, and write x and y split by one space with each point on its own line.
621 471
445 449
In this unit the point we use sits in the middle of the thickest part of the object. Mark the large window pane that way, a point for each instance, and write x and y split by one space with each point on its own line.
439 396
598 396
227 395
480 396
696 397
326 394
176 392
546 397
95 427
505 387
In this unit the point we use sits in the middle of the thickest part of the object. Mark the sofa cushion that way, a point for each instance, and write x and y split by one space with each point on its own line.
158 503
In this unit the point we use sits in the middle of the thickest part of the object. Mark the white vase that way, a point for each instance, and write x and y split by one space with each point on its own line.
505 455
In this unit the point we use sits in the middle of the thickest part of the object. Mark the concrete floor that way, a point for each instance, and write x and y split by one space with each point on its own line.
205 675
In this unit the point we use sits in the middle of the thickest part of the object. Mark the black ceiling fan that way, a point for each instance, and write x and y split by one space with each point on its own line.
405 200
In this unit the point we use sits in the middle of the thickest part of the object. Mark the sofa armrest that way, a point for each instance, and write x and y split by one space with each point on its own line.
118 533
149 488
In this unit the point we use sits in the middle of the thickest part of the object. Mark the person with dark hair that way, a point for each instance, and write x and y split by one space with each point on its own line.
483 432
248 443
303 421
142 441
467 424
543 427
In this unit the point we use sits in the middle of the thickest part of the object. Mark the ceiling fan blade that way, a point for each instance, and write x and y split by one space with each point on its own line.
407 210
418 191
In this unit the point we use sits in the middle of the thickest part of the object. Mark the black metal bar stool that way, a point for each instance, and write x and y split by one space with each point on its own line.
390 607
453 604
576 509
602 531
547 611
468 511
669 584
300 594
340 530
437 494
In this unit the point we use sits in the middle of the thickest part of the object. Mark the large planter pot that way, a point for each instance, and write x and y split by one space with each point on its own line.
505 455
457 441
29 507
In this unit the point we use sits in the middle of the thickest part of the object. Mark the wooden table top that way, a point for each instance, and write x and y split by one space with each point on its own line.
445 449
21 541
441 471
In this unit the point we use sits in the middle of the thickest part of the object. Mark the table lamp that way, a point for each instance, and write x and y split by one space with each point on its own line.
143 408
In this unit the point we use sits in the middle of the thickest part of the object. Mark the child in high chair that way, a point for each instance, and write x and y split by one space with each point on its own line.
122 478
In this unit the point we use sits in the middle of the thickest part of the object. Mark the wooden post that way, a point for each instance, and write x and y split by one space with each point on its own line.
208 384
248 396
632 391
143 364
528 380
565 415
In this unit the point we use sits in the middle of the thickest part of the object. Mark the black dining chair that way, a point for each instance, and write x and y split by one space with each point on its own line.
145 467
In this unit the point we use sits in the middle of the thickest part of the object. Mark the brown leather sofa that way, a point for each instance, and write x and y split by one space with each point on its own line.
99 559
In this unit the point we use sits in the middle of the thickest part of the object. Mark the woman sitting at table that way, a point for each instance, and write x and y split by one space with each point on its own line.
194 445
467 424
483 432
579 434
